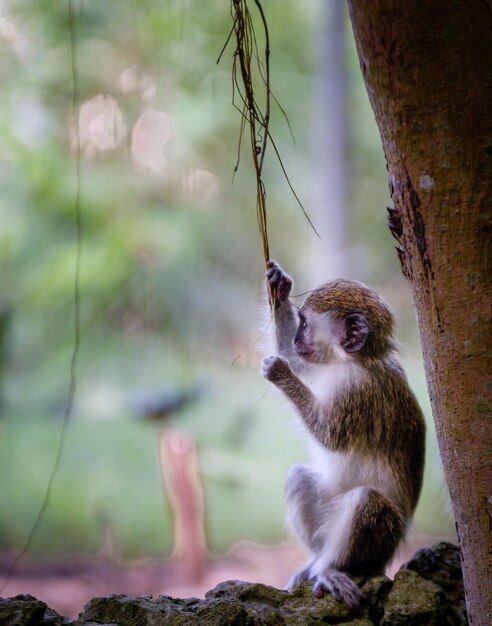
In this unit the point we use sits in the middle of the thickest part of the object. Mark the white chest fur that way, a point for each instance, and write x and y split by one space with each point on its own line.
325 380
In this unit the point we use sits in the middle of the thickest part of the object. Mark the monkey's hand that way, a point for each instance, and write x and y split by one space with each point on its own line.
279 283
276 369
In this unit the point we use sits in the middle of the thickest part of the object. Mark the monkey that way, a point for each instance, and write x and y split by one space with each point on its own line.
337 364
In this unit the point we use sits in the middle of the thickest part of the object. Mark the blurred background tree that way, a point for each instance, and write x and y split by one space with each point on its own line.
171 272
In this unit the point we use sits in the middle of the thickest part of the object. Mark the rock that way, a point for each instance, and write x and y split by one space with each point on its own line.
24 610
413 601
376 591
231 602
442 565
427 591
139 611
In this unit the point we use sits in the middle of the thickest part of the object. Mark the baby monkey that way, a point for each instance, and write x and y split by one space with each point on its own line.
337 364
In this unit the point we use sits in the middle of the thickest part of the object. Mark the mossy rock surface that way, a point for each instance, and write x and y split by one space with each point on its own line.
24 610
415 597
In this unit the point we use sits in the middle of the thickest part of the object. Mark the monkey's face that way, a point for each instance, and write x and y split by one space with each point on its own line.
317 339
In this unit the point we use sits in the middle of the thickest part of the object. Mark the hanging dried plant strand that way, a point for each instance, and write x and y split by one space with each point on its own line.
247 62
252 115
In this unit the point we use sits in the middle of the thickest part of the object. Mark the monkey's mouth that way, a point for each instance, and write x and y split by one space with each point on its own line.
304 352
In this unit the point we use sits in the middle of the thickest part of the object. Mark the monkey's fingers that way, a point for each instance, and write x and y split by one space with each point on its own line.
274 271
273 277
266 366
274 274
341 586
275 368
284 286
279 282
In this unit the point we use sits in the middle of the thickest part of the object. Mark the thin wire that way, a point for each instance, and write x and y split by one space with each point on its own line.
76 299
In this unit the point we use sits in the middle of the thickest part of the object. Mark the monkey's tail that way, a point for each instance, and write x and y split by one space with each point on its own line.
340 585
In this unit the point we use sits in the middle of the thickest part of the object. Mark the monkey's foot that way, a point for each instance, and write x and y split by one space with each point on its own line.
299 577
340 585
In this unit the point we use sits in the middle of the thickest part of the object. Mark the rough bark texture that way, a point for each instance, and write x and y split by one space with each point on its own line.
428 72
428 591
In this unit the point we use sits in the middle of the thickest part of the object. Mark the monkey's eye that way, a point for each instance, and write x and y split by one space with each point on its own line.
302 322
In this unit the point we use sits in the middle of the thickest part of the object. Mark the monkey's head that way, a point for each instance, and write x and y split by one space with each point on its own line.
343 319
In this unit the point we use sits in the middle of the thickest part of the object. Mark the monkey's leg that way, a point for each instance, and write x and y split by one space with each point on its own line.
303 514
377 529
360 532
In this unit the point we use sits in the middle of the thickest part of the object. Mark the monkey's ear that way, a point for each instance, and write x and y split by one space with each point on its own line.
355 333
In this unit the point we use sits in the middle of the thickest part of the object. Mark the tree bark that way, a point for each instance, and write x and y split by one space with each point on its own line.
428 72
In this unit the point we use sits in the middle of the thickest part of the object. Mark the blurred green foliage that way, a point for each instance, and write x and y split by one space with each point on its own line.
171 271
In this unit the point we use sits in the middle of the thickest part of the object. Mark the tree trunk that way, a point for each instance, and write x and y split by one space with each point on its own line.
428 72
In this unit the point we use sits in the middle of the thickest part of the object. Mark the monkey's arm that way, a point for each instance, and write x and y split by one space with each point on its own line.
285 326
277 370
280 285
